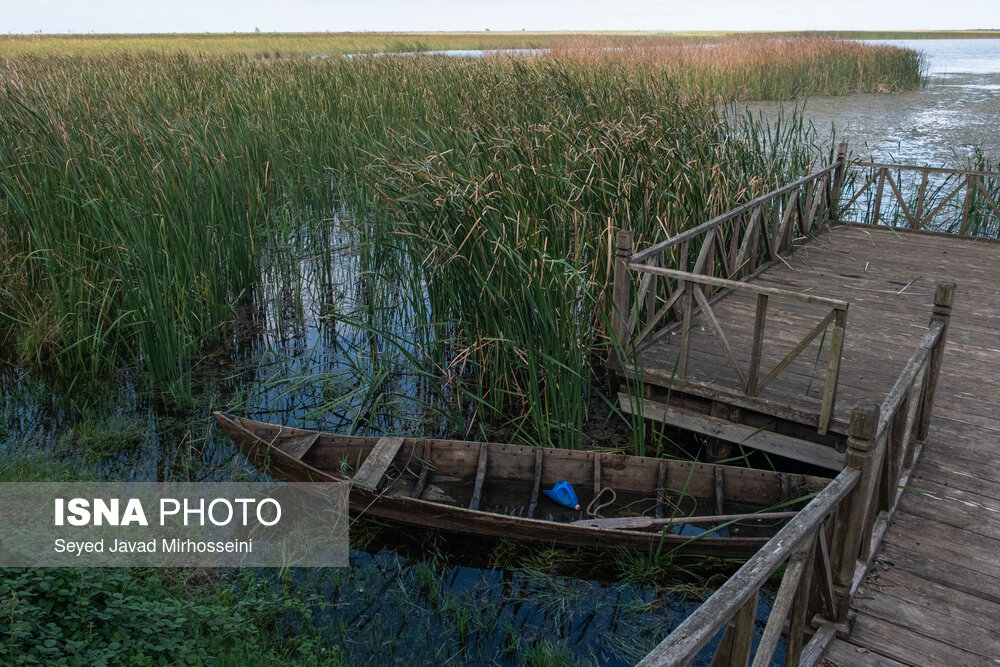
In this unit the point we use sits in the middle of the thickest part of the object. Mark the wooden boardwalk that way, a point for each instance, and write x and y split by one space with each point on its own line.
888 281
932 594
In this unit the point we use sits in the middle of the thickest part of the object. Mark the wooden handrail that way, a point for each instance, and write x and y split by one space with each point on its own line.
883 446
923 207
743 208
683 644
701 279
723 254
894 399
928 170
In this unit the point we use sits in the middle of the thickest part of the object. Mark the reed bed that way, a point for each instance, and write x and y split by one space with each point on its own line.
776 68
753 66
145 197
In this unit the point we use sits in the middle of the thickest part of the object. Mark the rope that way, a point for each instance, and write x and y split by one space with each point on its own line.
593 512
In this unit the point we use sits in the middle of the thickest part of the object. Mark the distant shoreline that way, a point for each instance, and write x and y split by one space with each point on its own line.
841 34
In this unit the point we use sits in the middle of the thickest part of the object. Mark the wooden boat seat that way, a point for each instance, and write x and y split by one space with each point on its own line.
373 470
298 446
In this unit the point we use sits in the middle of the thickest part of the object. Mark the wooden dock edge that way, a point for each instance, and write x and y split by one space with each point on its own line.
740 434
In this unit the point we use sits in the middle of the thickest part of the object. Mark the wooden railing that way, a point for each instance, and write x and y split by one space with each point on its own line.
803 543
678 277
923 198
831 542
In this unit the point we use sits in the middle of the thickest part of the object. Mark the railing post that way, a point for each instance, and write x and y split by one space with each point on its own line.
838 179
944 298
970 190
851 522
832 370
620 294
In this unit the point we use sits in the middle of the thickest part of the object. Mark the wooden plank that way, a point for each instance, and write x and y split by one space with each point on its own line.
597 475
814 651
663 310
832 371
934 624
849 655
921 195
860 191
760 318
639 522
766 441
926 169
749 238
720 250
720 491
798 349
739 285
962 608
477 491
930 216
817 201
963 225
988 197
373 469
940 474
536 484
716 392
740 590
640 299
621 289
879 189
783 233
736 226
297 446
800 612
661 488
720 336
685 330
947 570
910 646
979 518
944 542
743 632
704 254
425 472
823 574
899 198
779 611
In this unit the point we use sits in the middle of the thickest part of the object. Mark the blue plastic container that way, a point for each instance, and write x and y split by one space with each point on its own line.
563 494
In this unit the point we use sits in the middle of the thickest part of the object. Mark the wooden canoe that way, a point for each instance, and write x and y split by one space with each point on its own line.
495 489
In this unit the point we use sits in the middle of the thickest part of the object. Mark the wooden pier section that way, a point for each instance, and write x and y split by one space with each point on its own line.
932 596
867 350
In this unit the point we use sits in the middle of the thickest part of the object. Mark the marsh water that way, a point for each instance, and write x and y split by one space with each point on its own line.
298 361
942 124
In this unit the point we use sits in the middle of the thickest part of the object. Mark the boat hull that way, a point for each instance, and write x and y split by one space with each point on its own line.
262 445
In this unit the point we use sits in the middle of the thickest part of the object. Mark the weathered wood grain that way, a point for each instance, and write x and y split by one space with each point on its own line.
373 470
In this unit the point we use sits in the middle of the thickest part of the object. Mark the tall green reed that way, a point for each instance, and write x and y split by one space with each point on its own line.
145 196
508 221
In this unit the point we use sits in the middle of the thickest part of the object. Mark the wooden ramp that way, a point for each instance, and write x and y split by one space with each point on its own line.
933 595
888 279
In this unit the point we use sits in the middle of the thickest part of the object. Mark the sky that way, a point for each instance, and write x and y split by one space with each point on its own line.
123 16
